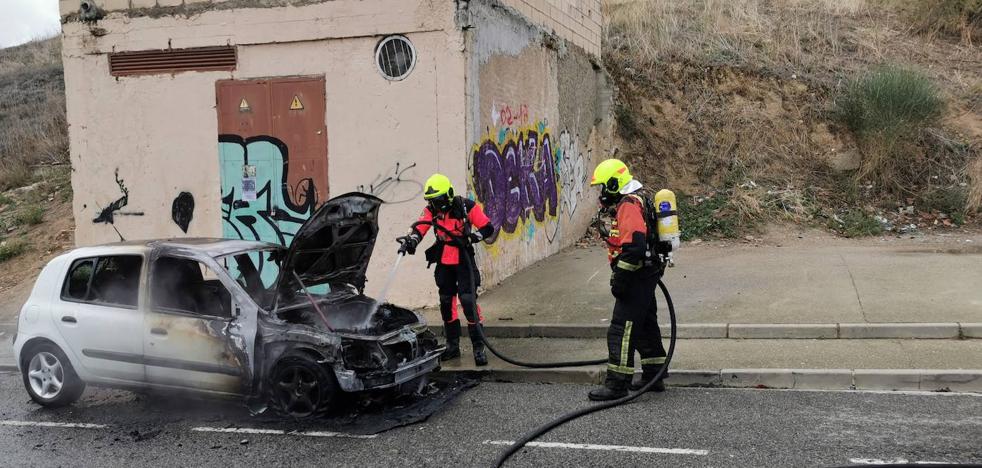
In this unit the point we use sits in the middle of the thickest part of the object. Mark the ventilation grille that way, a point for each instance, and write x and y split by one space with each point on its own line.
395 57
172 61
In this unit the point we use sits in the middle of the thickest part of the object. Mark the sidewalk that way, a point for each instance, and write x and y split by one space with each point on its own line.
902 281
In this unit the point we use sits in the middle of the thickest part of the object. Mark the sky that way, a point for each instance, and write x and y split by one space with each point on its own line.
24 20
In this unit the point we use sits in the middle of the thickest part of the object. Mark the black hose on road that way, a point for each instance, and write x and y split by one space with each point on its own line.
545 428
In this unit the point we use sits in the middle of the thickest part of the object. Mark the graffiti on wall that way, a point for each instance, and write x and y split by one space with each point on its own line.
507 116
525 180
257 201
572 172
515 178
108 214
398 185
182 210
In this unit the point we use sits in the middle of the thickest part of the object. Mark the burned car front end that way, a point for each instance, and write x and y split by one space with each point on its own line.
315 312
399 349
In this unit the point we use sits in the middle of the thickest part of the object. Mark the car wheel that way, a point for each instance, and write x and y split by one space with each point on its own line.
49 377
300 387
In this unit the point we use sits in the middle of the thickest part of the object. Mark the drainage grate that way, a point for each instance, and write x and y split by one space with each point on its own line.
148 62
395 57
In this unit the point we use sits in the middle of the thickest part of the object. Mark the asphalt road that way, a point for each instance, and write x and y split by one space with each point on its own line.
683 427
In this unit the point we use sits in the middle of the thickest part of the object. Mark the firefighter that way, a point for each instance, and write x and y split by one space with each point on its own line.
456 277
636 270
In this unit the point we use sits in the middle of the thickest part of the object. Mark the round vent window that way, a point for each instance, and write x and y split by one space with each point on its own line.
395 57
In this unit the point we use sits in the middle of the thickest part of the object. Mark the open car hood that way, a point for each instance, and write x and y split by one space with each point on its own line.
335 244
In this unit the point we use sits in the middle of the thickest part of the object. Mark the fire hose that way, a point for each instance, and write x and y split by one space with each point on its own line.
461 243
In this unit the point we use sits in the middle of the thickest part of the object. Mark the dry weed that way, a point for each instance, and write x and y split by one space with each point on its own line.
33 128
974 170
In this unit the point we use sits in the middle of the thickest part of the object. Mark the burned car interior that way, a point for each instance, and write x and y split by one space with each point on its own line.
113 279
179 285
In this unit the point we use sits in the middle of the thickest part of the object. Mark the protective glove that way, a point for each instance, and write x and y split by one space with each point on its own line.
475 237
408 244
618 283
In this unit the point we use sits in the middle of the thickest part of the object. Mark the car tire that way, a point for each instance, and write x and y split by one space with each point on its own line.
300 387
49 376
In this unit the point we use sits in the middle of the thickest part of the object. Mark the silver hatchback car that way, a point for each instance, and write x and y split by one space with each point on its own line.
288 328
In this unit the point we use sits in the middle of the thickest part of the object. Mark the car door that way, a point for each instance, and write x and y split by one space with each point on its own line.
191 338
100 318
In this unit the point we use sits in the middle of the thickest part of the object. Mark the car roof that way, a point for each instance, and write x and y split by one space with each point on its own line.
214 247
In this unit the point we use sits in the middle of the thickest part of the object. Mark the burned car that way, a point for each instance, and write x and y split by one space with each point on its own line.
287 327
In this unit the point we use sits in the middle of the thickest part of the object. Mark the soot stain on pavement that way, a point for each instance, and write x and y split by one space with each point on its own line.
367 414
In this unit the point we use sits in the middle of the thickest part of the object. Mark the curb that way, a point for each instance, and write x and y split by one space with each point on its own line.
929 380
776 331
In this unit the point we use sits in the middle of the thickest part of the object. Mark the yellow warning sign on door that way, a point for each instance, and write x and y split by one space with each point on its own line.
244 106
296 104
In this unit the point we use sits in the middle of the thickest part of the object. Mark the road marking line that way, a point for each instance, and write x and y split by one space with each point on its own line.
896 461
613 448
52 424
248 430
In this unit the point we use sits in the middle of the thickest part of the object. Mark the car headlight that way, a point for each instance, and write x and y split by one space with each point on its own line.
363 354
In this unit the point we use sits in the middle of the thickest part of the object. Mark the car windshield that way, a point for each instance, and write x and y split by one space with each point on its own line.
256 271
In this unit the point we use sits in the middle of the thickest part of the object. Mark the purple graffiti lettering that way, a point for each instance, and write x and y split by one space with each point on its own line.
516 181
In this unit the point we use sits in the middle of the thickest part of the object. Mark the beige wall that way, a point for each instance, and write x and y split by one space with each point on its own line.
577 21
160 132
537 126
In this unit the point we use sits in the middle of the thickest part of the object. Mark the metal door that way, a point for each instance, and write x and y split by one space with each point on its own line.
272 148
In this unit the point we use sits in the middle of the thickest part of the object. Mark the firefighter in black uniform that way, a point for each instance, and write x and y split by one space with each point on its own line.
454 276
636 270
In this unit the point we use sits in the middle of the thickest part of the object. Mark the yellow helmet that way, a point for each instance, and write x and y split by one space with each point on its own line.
437 185
612 174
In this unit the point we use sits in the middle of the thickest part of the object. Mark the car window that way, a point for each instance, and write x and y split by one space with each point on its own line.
109 280
77 281
187 286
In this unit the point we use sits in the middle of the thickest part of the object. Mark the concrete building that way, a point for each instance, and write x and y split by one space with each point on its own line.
237 118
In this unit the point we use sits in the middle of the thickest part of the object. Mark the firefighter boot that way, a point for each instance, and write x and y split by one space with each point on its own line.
452 331
480 359
648 373
615 386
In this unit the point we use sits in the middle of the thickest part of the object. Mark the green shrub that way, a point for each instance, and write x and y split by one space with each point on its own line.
5 200
30 215
11 249
889 102
949 200
857 223
707 218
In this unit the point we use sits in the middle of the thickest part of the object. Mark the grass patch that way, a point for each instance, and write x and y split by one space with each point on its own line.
960 19
15 174
5 200
890 101
888 109
856 223
11 249
30 215
948 200
33 126
705 217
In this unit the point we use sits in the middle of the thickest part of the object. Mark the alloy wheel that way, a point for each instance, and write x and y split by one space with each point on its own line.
46 375
297 391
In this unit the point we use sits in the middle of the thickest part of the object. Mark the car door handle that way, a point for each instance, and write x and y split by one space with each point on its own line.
158 331
69 319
